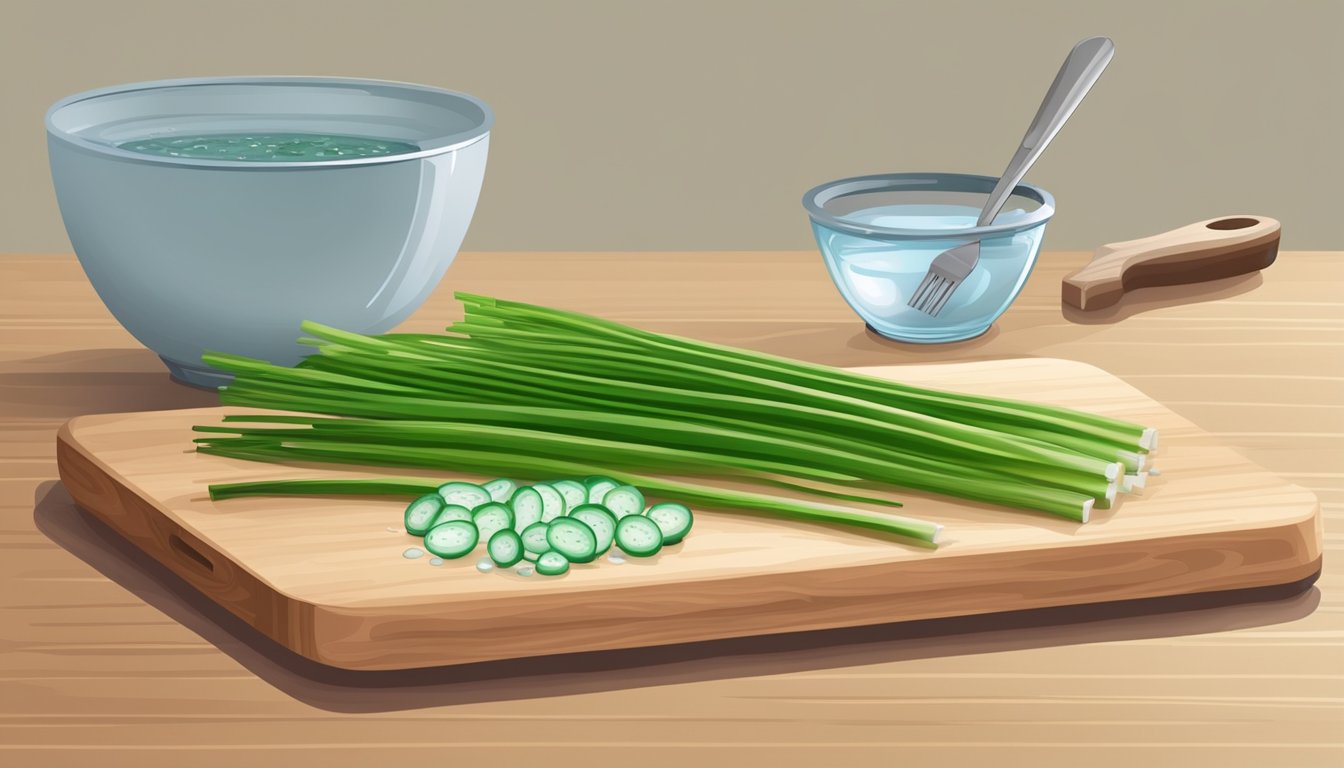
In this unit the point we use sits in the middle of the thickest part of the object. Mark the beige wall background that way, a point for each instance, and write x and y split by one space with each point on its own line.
698 124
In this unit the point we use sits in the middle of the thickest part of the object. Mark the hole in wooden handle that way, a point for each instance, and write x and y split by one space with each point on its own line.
1238 222
189 552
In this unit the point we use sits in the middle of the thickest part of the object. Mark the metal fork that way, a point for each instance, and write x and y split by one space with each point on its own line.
1075 78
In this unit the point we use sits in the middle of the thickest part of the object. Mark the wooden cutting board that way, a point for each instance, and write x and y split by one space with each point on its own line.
326 578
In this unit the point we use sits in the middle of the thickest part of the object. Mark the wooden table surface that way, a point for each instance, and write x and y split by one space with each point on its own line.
106 659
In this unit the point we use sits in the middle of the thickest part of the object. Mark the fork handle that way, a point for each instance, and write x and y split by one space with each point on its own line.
1206 250
1075 78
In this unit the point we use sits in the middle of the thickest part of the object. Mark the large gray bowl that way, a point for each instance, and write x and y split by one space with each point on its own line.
193 254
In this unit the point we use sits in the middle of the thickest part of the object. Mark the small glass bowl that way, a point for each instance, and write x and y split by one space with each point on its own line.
879 234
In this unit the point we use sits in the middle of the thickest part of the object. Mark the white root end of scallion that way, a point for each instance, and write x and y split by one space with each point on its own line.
1148 441
1137 482
1134 457
1111 492
1127 485
937 532
1114 471
1087 508
1154 471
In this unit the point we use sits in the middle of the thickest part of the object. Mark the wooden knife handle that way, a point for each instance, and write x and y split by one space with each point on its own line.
1205 250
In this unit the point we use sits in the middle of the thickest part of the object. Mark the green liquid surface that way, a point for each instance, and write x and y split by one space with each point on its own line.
268 147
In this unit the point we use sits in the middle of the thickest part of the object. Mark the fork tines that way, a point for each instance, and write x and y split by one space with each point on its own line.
933 292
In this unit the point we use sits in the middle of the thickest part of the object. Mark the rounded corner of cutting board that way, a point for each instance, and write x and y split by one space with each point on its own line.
65 434
76 424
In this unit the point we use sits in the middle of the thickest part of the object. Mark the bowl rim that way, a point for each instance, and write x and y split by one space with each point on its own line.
442 145
816 198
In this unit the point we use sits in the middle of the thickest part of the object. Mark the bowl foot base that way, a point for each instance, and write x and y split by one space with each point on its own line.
196 375
905 340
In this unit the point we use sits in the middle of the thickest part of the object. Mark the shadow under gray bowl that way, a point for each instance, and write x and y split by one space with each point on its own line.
198 254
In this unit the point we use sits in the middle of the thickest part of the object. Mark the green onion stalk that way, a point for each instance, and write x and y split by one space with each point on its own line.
527 387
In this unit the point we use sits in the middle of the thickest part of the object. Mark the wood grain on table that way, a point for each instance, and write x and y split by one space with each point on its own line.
107 659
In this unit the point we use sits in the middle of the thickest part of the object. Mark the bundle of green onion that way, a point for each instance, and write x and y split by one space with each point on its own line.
537 392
